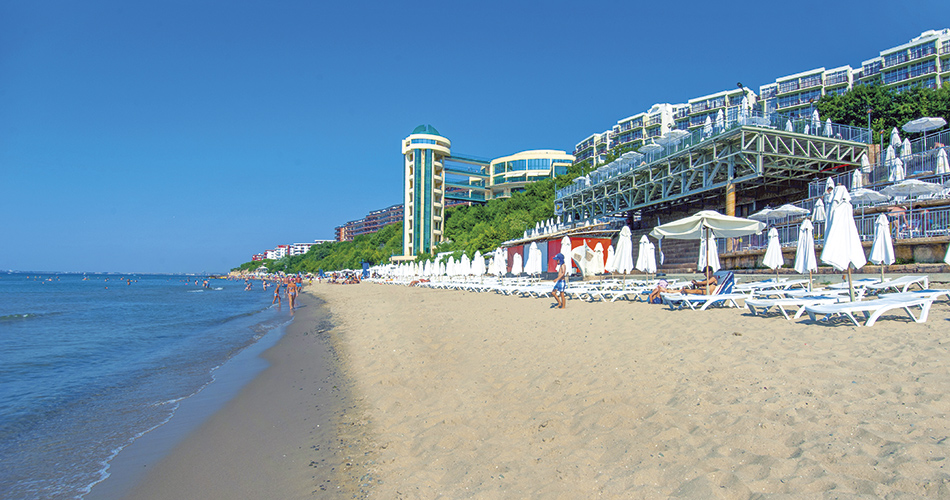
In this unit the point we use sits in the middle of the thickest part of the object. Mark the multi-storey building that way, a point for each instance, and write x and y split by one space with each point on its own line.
924 61
512 173
374 221
796 95
708 106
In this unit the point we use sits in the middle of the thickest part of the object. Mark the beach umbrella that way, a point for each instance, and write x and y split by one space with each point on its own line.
946 258
788 210
610 266
516 267
857 179
707 127
478 264
763 215
867 196
624 254
816 120
537 264
818 214
882 250
773 253
865 163
912 187
465 265
646 258
896 171
842 248
889 154
906 148
805 259
706 225
923 124
650 148
597 264
743 114
566 252
828 131
720 120
709 254
943 166
583 255
788 126
806 129
895 138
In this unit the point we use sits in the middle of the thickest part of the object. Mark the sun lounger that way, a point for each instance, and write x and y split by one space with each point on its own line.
873 309
721 294
935 294
758 306
769 284
901 284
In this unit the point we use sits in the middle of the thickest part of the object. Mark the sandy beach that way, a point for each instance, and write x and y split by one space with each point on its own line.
476 395
465 395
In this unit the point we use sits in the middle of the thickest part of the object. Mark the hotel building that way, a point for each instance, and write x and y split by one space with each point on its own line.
924 61
436 179
374 221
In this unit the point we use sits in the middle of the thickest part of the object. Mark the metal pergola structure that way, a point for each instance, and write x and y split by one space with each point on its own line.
747 157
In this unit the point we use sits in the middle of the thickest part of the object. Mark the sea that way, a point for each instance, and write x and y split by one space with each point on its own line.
89 363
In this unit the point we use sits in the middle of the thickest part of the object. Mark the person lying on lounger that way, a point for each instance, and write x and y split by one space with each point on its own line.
699 287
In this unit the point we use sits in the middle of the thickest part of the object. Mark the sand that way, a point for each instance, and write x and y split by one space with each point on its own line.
457 395
478 395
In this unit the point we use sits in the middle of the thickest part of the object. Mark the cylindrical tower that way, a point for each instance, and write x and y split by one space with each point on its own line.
423 153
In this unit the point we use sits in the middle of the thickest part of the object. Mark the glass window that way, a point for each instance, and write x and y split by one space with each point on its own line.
788 86
811 81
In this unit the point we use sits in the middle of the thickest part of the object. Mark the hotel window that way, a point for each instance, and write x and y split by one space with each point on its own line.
789 86
871 68
811 81
769 92
922 51
945 47
921 68
895 58
837 77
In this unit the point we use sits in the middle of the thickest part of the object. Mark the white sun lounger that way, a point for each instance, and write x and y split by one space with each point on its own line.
873 309
901 284
763 305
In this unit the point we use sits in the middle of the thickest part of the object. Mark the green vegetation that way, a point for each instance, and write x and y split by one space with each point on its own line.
888 108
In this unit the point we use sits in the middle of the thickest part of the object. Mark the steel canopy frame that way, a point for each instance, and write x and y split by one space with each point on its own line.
741 155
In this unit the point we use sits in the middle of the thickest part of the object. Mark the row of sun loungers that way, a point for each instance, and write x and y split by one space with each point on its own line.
789 297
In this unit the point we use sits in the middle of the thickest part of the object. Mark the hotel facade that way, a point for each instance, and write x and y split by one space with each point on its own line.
435 178
923 61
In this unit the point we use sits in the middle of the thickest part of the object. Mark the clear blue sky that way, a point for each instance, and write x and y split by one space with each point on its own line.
184 136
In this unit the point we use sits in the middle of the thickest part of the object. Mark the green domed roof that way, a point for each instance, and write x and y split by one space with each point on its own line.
426 129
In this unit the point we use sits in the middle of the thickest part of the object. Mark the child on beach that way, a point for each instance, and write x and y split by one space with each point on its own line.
560 284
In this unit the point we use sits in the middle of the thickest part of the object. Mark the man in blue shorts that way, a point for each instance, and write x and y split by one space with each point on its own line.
561 283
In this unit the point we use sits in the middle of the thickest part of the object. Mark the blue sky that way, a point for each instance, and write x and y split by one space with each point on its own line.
184 136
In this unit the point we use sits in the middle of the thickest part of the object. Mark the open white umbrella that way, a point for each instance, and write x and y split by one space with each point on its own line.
650 148
597 265
788 210
843 248
763 215
707 224
943 166
566 252
805 259
773 253
912 187
924 124
611 265
646 258
623 259
882 250
863 195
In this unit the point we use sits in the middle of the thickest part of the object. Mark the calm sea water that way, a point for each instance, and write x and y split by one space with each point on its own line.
88 365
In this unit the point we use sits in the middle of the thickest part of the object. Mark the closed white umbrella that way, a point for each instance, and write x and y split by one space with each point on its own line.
896 171
583 255
624 252
720 120
773 253
895 138
465 265
805 259
906 149
865 163
857 179
946 258
943 166
566 252
646 256
707 127
611 265
709 254
788 126
478 264
743 110
516 265
816 121
843 248
882 250
597 265
818 214
828 130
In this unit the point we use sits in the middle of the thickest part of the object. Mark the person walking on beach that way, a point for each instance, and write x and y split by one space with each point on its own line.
292 294
276 296
560 284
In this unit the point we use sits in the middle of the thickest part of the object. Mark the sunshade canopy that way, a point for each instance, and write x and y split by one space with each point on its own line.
720 226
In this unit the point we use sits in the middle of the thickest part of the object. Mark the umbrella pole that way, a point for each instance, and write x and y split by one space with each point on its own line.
810 289
707 263
850 285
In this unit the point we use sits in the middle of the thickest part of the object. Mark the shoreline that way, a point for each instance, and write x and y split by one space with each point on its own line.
271 437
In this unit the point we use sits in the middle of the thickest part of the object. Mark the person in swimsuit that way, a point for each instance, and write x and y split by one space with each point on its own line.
560 284
292 294
276 296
